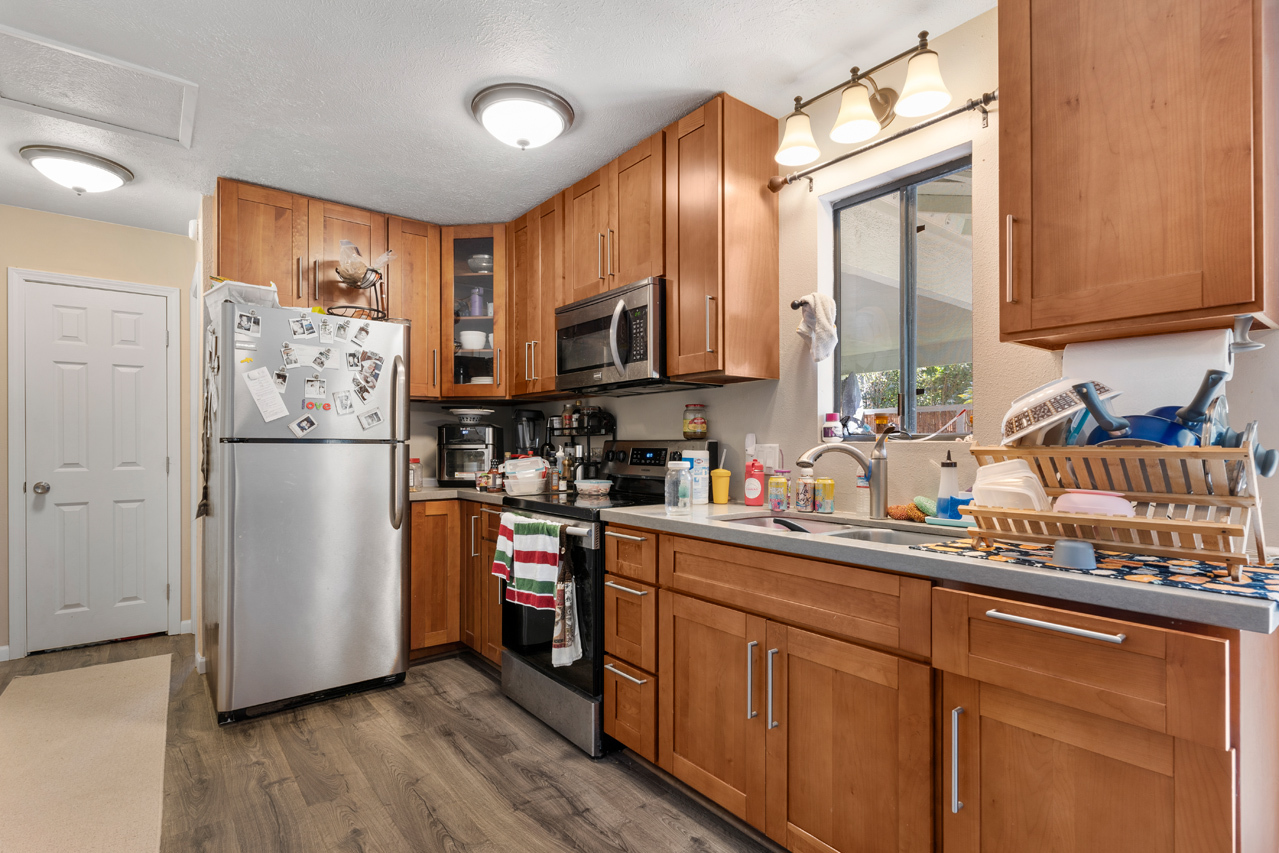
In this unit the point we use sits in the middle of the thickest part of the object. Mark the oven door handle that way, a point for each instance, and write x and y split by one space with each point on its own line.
612 336
579 532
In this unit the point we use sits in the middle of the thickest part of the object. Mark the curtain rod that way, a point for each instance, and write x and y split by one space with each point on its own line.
776 182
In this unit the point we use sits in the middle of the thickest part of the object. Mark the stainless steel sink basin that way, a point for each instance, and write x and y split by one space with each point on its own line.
810 525
890 537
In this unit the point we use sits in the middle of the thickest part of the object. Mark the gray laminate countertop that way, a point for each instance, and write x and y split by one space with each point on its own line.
712 522
462 494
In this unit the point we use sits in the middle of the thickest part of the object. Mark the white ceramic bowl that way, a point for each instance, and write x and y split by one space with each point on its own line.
480 263
472 340
593 487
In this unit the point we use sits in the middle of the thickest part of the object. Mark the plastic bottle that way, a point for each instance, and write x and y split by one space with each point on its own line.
415 475
832 429
701 460
948 488
679 487
755 491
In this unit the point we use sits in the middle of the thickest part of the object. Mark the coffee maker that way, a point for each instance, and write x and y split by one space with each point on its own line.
528 431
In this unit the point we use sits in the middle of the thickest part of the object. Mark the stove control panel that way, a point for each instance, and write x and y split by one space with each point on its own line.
647 458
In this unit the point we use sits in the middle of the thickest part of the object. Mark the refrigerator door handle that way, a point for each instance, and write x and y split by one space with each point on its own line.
399 425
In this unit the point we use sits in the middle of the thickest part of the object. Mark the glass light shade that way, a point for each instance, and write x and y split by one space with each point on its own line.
924 92
798 147
856 121
521 115
76 170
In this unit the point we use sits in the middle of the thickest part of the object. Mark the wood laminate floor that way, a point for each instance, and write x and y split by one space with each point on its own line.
443 762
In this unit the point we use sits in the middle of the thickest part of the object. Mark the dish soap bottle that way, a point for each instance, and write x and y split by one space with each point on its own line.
948 489
754 483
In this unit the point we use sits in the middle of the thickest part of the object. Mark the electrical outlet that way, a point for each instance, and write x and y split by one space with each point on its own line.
769 455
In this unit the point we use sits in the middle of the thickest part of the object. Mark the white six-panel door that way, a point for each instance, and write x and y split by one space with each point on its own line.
96 420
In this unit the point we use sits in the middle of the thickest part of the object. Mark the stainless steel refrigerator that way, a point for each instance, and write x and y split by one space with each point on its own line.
306 534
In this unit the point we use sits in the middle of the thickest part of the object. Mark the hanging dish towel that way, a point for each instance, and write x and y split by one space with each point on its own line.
528 559
566 646
818 324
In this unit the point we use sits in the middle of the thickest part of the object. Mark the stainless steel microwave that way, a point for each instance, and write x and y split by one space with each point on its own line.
614 343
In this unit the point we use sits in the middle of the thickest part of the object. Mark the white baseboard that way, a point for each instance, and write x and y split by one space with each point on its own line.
4 652
200 663
186 627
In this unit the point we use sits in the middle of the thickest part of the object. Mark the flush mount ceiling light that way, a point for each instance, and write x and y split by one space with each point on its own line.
521 115
76 170
864 112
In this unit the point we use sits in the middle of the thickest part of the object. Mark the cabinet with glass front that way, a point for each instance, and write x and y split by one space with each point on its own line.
473 290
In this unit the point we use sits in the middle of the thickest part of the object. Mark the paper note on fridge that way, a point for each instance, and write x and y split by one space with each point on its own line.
265 394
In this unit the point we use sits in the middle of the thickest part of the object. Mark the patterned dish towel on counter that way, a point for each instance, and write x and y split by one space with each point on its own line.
1258 581
528 559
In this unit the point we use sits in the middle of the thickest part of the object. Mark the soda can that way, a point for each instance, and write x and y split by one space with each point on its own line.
778 493
824 494
804 492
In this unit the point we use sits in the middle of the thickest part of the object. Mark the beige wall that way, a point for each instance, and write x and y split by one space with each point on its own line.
31 239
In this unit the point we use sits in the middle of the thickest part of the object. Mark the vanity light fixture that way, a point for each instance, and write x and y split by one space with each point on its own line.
865 111
76 170
522 115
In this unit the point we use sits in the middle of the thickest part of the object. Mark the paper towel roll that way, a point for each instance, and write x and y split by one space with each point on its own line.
1160 370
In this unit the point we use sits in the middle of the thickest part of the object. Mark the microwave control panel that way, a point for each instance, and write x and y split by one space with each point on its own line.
637 319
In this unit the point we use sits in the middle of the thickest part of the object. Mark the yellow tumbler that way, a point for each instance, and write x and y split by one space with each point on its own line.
719 485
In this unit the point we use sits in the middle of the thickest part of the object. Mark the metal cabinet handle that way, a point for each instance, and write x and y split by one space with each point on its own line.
617 671
625 536
1061 629
751 713
534 345
599 256
41 488
772 723
955 804
301 277
474 519
640 593
610 251
435 368
497 367
315 265
708 323
1009 295
526 347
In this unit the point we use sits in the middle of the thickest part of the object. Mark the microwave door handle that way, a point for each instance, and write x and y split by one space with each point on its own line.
612 337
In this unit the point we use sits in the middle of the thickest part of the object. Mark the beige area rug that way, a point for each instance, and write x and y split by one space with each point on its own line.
82 758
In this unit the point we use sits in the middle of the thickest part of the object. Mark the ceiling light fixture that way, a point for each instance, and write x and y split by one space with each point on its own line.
864 112
522 115
76 170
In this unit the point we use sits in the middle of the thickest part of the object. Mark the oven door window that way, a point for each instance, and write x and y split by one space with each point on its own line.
465 461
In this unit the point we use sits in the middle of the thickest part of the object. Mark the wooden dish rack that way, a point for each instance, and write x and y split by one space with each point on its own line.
1186 508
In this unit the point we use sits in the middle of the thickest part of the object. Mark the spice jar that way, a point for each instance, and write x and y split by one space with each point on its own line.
695 424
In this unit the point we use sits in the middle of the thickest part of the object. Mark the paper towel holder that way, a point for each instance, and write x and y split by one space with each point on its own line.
1241 342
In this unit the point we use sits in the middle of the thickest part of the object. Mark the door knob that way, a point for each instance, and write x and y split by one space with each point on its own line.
41 488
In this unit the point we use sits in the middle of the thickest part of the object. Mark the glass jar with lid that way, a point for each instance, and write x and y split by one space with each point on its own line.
696 426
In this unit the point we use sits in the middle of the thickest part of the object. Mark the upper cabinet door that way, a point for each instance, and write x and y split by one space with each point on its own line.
586 213
525 299
549 234
635 240
413 282
694 235
329 224
262 238
1129 176
473 299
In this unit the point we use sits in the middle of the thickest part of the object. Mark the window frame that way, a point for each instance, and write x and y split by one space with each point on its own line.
907 188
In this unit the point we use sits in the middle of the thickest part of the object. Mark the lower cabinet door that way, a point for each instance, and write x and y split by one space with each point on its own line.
630 621
473 578
435 572
849 746
630 706
1023 773
491 585
710 723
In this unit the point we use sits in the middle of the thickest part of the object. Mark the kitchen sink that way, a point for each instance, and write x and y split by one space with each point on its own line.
838 529
890 537
769 522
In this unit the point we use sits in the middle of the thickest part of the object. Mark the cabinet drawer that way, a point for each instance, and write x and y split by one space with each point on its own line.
492 520
630 621
630 706
875 607
1164 680
631 553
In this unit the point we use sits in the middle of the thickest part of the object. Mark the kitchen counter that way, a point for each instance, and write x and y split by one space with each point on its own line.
463 493
710 522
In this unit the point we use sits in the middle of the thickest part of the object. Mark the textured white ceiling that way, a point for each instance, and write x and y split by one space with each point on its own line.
368 101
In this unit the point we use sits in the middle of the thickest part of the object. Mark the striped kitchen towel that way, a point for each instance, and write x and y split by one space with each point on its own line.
528 558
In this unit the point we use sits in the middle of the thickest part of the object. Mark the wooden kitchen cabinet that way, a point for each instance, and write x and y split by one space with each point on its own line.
536 246
473 577
586 220
413 281
435 572
631 553
262 238
1135 168
630 706
492 586
721 244
329 223
630 621
636 240
459 284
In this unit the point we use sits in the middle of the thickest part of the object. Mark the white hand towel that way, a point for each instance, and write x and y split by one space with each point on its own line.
818 324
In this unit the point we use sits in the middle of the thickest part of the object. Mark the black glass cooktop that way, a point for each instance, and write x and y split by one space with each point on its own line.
572 505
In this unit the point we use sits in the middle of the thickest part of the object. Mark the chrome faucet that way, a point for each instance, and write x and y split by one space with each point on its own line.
875 468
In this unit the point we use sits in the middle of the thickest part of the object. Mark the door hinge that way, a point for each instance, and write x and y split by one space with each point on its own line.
166 337
166 591
24 487
166 464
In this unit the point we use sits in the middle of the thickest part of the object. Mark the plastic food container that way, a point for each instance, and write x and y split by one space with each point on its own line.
1094 503
596 488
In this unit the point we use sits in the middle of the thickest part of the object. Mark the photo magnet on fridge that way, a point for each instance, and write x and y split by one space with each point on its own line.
361 335
344 330
343 402
248 324
321 359
370 367
370 419
282 379
315 389
353 360
326 330
362 391
291 359
303 425
302 327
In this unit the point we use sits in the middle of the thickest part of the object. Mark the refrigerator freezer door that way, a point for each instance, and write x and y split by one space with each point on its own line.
255 337
316 571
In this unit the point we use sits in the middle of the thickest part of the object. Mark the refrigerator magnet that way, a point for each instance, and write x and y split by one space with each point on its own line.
281 380
291 356
302 327
361 335
322 357
248 324
353 360
362 391
343 402
370 419
343 331
315 389
303 425
370 367
265 396
326 330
